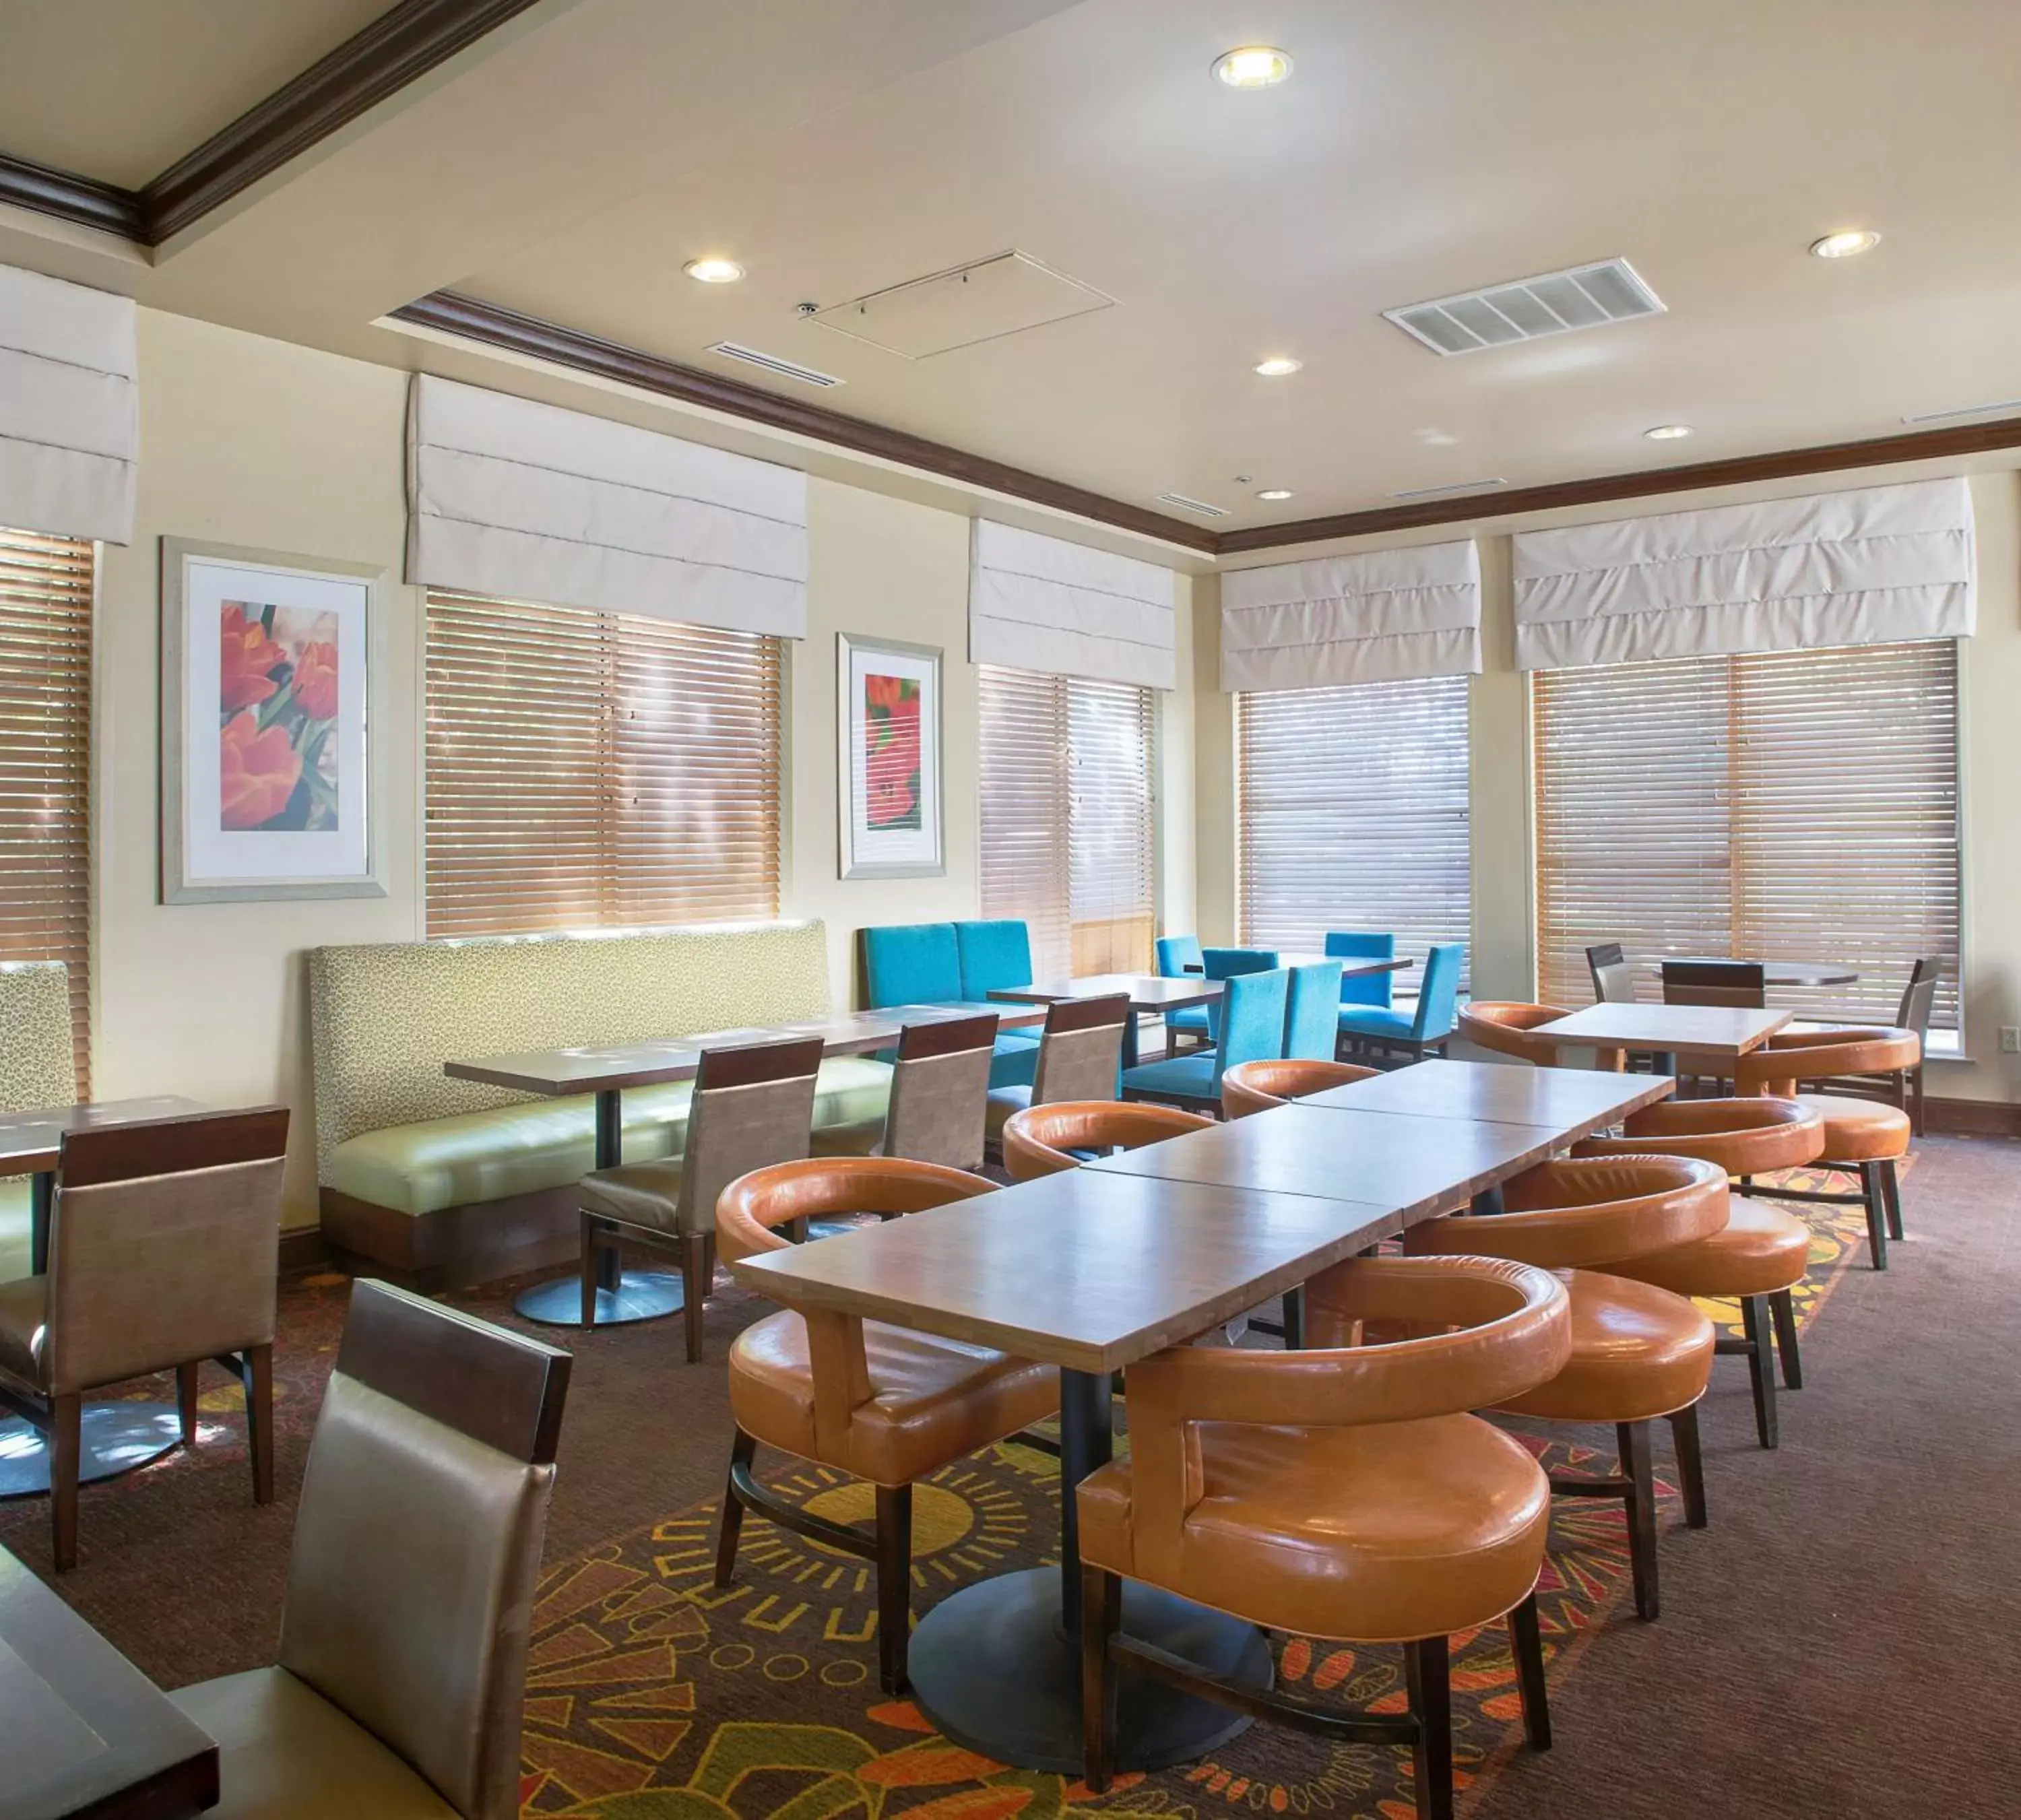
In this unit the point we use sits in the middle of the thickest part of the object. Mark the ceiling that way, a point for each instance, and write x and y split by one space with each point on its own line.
839 146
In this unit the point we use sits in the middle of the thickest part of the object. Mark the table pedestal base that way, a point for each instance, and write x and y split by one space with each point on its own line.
114 1438
639 1295
993 1668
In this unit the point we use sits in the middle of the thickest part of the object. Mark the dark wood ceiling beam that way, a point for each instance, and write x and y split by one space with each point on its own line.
69 198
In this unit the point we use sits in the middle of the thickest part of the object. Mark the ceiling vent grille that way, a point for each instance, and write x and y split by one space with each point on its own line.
1964 411
772 363
1585 297
1192 505
1449 489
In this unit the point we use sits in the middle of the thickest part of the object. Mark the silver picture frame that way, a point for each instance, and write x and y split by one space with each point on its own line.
881 835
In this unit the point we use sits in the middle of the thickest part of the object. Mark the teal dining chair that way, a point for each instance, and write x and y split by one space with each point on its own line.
1179 956
1374 990
1312 1022
1423 1031
1252 1029
1225 963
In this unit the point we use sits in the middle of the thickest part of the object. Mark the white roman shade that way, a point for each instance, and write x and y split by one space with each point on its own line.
1877 565
69 408
1381 617
1042 604
523 501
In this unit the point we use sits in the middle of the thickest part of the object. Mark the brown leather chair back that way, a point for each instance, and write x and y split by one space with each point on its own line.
1588 1214
1256 1086
1037 1140
940 1091
1792 1056
1743 983
751 1208
1081 1050
752 1106
1499 1025
1613 976
1743 1137
164 1244
418 1543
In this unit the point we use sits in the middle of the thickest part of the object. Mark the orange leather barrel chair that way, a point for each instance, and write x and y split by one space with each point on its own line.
1638 1352
1861 1137
1761 1254
1501 1026
1343 1494
1042 1140
885 1403
1256 1086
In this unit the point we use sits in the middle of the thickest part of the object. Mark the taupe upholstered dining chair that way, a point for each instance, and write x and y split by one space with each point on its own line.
1613 973
164 1251
1080 1057
402 1666
940 1092
752 1106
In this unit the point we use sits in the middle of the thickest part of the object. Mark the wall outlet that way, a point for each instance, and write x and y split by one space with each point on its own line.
2010 1039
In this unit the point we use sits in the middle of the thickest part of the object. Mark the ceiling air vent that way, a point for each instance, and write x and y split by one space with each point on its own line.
1964 411
772 363
1449 489
1192 505
1587 297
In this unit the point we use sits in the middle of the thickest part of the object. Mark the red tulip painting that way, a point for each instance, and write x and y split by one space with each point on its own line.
277 704
891 751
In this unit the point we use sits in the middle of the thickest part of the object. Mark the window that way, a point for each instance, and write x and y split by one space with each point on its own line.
595 770
1069 817
1783 806
45 590
1351 805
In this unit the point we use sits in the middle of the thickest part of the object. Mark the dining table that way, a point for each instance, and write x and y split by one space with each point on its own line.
1713 1035
1779 973
1095 1267
114 1436
605 1070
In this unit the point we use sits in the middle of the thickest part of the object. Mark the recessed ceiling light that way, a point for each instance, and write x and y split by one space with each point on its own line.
1668 432
713 270
1843 246
1254 66
1277 365
1275 493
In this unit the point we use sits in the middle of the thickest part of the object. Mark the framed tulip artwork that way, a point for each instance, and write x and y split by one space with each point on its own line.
889 766
267 661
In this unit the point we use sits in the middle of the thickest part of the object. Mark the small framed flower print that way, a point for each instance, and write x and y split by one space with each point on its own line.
267 662
888 769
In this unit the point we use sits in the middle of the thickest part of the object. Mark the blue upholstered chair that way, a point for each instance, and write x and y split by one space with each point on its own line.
1179 956
1225 963
1312 1023
1252 1029
1364 944
1427 1026
927 963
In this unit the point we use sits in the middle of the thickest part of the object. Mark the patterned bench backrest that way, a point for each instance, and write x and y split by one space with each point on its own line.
37 1067
385 1018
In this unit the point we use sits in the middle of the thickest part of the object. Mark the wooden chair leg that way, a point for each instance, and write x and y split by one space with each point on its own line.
258 1382
1916 1095
1427 1669
1632 1439
894 1584
1891 1196
66 1455
1760 1366
186 1393
694 1291
588 1268
1101 1618
1876 1214
730 1525
1691 1465
1526 1644
1782 1305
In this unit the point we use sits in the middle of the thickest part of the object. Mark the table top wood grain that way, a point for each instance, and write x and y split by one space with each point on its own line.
30 1142
603 1069
1084 1269
1713 1032
86 1732
1578 1102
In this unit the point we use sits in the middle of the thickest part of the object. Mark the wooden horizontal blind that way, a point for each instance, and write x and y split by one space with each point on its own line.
1796 806
45 595
1069 817
597 770
1353 813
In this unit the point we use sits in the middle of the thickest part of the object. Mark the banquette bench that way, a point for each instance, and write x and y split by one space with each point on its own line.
441 1183
924 963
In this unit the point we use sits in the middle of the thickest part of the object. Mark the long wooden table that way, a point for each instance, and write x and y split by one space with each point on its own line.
606 1070
1095 1269
87 1732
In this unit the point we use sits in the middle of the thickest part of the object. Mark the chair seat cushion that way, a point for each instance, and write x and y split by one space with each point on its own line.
16 1215
546 1144
1190 1018
1382 1534
1859 1131
932 1400
1190 1077
1762 1249
1637 1351
24 1308
285 1753
640 1194
1370 1020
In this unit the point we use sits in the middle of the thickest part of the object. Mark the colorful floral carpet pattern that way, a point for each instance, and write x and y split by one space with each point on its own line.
652 1695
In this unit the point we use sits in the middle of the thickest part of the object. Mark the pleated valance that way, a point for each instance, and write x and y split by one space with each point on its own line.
1041 603
1876 565
529 502
1377 616
69 408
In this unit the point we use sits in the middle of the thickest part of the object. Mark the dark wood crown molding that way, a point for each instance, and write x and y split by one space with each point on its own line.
1787 464
69 198
471 320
